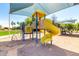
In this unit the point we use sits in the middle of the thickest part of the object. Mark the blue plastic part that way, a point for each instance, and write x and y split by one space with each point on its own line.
36 40
23 37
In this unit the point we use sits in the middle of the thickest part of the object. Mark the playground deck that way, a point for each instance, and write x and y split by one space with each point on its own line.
61 47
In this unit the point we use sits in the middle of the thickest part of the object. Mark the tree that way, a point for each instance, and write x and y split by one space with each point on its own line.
0 26
18 23
13 24
77 27
28 20
68 28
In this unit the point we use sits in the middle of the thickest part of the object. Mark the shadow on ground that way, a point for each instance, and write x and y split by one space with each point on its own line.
71 35
30 48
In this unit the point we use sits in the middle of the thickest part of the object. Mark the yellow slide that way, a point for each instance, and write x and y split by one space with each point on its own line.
51 29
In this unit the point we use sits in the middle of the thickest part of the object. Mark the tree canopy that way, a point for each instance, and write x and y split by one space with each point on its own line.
29 20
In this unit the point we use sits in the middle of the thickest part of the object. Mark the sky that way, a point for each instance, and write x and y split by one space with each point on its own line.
4 10
68 13
4 15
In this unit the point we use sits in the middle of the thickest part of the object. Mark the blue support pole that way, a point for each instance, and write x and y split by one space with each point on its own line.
44 29
23 37
32 29
39 28
32 35
36 28
23 31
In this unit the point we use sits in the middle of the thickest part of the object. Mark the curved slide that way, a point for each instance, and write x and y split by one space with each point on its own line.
51 29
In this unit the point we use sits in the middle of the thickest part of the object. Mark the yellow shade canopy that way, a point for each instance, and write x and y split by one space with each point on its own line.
39 13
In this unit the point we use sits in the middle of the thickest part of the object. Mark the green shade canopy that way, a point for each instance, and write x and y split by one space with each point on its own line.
27 9
18 6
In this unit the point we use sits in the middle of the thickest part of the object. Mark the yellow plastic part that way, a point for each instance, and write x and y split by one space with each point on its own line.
28 29
52 29
39 13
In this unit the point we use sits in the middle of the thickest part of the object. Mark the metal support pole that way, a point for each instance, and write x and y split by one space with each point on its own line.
44 29
23 31
9 25
44 32
51 42
39 28
36 28
32 29
32 35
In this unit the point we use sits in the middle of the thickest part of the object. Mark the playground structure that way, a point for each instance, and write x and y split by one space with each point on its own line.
40 31
40 24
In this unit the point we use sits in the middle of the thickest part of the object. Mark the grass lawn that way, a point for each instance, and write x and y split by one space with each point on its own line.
3 32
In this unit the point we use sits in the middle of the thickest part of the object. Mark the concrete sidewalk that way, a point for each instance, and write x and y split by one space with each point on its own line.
67 42
64 42
9 37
